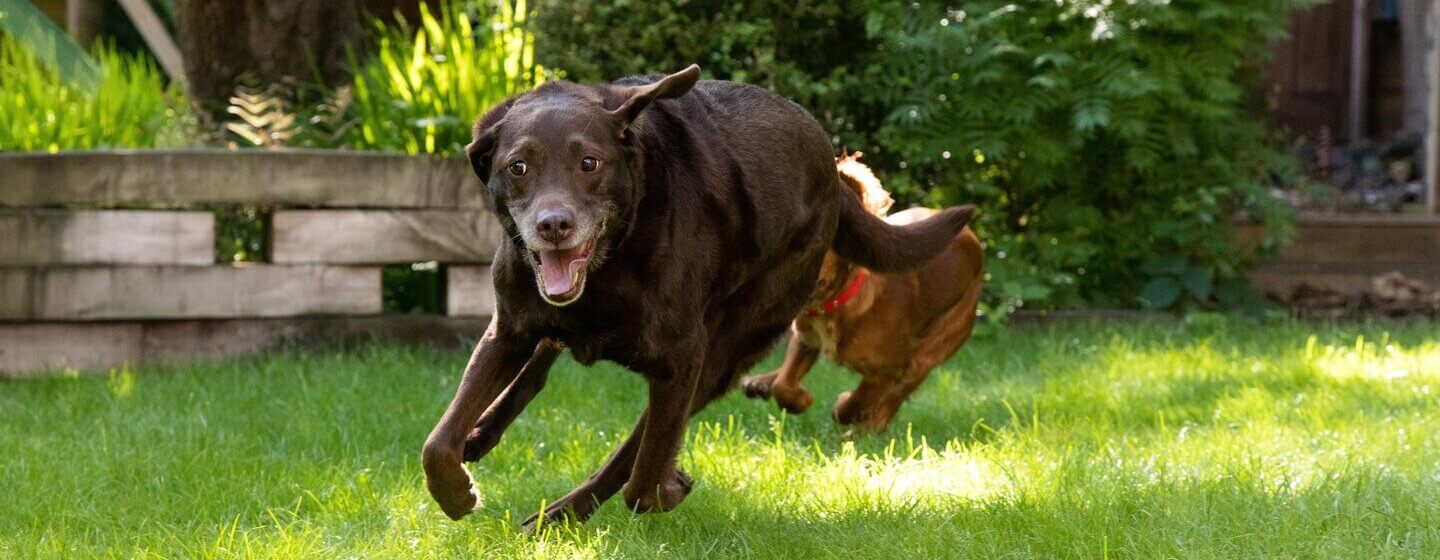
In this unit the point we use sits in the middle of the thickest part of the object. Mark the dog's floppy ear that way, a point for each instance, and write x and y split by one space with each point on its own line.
482 143
636 98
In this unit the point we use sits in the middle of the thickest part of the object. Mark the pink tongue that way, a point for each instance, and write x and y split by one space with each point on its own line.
557 269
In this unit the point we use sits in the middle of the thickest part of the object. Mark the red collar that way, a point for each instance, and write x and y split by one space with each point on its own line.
841 298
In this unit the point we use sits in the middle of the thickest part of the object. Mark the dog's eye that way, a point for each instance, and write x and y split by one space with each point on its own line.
588 164
517 169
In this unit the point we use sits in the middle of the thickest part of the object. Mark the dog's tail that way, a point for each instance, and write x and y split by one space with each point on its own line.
869 241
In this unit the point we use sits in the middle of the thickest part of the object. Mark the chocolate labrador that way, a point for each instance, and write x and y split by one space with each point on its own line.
671 226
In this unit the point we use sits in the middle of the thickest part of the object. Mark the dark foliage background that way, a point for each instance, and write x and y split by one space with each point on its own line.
1108 144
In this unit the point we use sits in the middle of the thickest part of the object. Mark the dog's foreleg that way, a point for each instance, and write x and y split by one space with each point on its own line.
784 384
494 364
511 402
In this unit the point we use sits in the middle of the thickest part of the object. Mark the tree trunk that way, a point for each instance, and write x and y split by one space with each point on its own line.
222 40
84 20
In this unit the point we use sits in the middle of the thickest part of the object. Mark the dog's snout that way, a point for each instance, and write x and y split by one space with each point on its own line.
555 225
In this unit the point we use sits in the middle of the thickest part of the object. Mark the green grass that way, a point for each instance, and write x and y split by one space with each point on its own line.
1223 438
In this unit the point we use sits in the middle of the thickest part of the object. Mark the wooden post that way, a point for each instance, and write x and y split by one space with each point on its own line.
156 36
1415 49
1359 67
1432 130
84 19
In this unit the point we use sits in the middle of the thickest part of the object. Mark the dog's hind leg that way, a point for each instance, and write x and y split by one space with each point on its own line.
581 502
511 402
878 414
655 483
857 407
784 383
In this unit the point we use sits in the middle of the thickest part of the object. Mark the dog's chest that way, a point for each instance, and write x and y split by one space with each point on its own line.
620 338
819 332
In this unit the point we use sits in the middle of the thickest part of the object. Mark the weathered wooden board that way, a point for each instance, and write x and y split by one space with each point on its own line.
1343 252
65 237
1359 239
28 349
469 291
383 236
97 293
15 300
311 178
1283 278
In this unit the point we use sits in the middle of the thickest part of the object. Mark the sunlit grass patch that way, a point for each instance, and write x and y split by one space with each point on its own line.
1152 440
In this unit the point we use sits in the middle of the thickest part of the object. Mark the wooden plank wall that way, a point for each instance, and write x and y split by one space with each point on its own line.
164 292
104 259
383 236
301 178
44 348
1307 80
1343 252
66 237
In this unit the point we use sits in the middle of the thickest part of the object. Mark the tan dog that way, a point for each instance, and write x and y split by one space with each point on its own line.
891 328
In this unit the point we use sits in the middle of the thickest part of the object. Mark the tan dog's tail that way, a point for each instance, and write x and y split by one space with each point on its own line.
863 181
866 239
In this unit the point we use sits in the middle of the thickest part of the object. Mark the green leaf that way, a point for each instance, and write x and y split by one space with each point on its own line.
1034 292
1163 265
1091 114
1198 280
1160 293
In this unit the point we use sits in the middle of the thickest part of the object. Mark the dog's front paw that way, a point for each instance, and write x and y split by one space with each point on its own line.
449 483
549 516
456 503
577 506
758 386
664 497
794 400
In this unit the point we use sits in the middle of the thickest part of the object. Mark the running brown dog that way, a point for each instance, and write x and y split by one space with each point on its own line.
670 226
891 328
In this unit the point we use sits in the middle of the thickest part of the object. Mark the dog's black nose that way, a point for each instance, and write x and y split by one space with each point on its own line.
555 225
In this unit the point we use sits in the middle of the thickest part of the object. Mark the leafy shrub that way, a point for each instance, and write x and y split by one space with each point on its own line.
126 105
1108 144
423 88
804 49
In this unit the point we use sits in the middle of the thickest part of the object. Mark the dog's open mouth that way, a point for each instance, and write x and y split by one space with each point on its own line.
561 273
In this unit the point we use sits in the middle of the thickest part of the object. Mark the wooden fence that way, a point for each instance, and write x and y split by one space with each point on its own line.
104 260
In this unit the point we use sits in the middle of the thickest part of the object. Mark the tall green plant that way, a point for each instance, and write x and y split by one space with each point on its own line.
130 105
30 28
422 88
